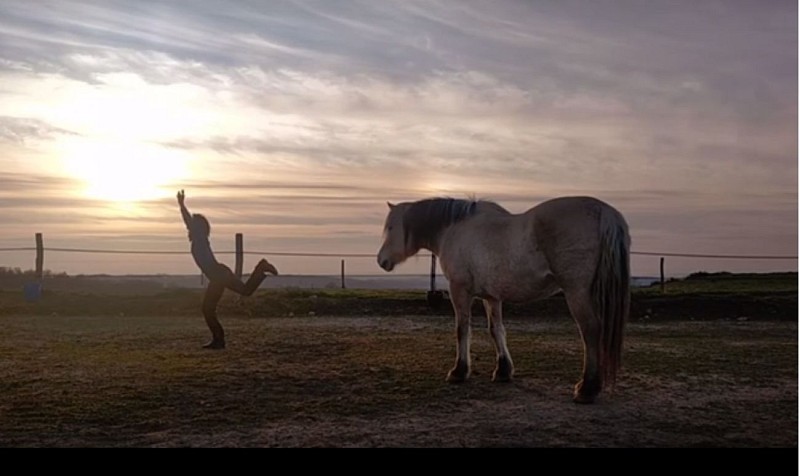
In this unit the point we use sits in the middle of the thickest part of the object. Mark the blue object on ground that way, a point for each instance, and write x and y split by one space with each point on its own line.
33 291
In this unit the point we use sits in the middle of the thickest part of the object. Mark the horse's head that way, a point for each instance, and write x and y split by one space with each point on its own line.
394 251
412 226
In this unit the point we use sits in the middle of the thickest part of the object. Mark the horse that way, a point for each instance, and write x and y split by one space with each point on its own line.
576 245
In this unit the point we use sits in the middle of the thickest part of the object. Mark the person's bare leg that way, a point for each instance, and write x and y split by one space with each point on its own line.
265 266
210 301
254 281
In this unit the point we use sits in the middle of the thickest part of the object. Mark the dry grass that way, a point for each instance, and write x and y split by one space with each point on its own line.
144 381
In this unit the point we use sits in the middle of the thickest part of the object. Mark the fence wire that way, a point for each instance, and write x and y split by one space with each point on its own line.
368 255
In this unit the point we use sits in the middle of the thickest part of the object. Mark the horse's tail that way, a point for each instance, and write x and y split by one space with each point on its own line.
611 290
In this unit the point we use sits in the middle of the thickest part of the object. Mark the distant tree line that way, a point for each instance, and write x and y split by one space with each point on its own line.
8 272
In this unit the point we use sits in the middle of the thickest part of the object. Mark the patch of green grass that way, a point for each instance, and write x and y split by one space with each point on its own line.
726 283
713 296
185 302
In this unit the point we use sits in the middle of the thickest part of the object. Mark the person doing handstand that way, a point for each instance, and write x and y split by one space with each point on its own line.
219 276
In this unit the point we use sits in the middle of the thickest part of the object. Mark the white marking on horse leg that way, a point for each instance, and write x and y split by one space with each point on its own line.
591 383
504 369
461 301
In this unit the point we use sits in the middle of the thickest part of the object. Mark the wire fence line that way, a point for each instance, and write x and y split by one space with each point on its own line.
224 252
40 250
368 255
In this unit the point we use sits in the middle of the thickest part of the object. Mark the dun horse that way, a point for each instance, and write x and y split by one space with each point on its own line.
578 245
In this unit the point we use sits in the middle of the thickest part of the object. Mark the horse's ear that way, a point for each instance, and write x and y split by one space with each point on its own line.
391 205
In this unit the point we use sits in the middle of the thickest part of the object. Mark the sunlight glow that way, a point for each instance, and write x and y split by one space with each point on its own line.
123 106
123 171
441 185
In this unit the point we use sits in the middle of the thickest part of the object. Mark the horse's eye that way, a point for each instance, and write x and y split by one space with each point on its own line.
390 228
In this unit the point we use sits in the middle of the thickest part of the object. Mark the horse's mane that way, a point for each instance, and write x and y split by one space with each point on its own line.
425 219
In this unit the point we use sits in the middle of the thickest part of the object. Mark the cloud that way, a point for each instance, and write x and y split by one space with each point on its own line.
20 130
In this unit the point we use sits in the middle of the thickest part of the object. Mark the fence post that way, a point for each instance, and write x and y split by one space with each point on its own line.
435 298
433 272
39 257
343 287
663 289
239 254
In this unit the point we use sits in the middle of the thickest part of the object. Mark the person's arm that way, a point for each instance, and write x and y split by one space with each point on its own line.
187 217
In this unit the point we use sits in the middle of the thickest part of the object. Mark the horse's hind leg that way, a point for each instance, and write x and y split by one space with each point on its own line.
591 383
461 301
505 366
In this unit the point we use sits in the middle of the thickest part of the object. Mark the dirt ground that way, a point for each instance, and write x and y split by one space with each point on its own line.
128 381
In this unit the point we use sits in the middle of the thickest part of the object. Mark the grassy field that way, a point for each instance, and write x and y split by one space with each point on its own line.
94 370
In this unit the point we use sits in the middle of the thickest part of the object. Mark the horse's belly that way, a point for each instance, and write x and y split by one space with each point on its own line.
507 270
521 281
524 289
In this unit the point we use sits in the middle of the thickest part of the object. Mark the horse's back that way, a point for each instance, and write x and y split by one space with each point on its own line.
567 222
570 207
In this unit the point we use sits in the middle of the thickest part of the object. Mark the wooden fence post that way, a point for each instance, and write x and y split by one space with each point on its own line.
433 272
343 287
435 298
39 257
239 254
663 288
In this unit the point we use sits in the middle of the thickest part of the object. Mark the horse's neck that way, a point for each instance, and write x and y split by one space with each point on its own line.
425 221
431 244
438 240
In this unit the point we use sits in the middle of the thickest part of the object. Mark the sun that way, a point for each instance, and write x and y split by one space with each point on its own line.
438 184
123 171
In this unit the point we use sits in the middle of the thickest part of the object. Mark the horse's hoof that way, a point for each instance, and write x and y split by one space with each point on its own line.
584 399
500 378
503 372
456 377
215 345
586 393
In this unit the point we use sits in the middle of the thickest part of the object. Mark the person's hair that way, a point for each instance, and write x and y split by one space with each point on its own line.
200 226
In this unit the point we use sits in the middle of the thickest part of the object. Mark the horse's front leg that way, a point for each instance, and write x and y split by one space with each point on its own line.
461 301
505 366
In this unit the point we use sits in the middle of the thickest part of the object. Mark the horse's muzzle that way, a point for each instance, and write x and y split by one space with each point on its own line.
386 264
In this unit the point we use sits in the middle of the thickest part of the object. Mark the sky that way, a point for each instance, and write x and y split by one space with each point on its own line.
294 122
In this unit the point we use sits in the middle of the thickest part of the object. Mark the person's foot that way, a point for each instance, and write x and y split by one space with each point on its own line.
265 266
215 345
